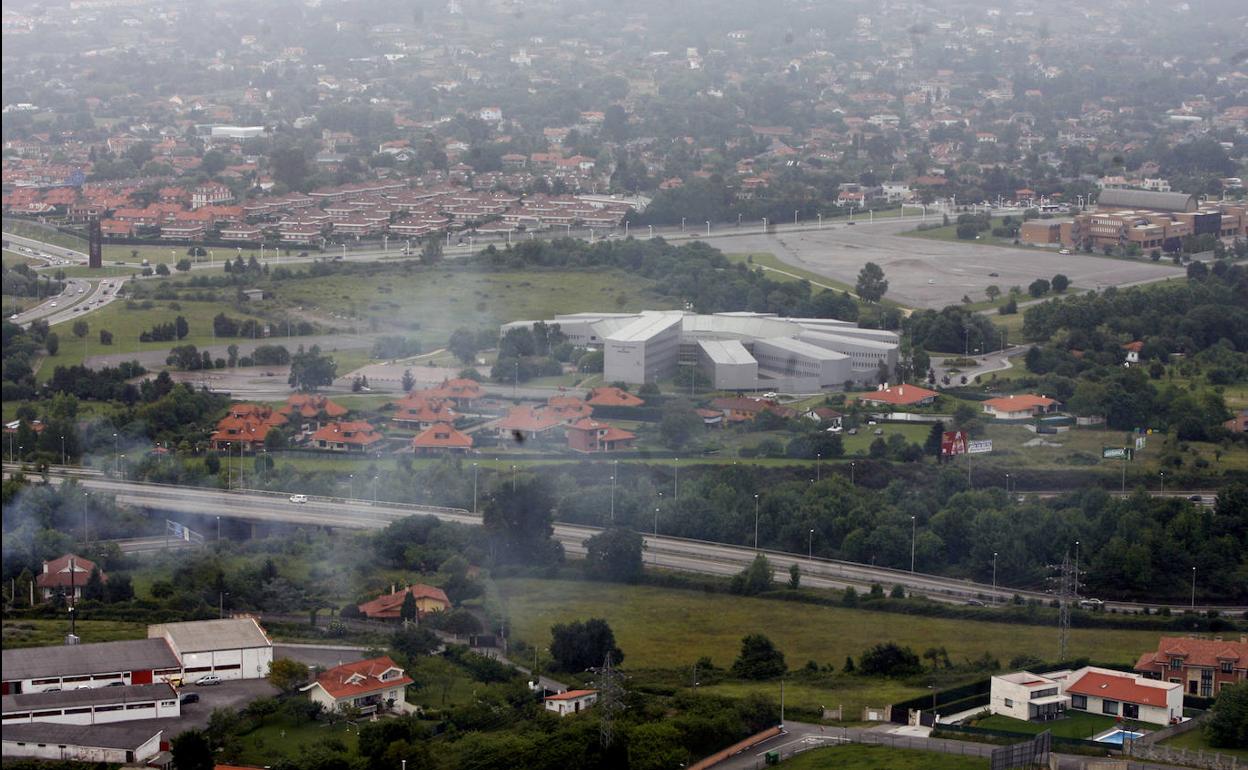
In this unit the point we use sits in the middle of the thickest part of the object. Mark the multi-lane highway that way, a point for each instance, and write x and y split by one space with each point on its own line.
661 551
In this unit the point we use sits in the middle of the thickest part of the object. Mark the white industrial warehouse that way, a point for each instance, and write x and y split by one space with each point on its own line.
736 351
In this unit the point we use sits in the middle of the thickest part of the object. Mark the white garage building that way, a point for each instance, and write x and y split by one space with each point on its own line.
95 743
232 648
92 705
737 351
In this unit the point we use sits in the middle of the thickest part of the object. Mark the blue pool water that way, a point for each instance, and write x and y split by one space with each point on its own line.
1117 736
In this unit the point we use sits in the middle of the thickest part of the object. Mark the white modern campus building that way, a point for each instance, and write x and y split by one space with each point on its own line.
736 351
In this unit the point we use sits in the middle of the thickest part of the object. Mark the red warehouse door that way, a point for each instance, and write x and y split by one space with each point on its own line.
141 677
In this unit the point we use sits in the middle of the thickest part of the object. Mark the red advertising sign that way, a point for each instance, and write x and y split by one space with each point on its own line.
953 442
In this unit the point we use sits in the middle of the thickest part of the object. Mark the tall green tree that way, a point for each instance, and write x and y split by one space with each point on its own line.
311 370
614 554
759 659
519 516
871 284
578 645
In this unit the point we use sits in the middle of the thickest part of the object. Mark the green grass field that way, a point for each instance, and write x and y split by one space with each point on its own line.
1075 724
670 629
281 736
430 305
42 633
127 325
1195 740
860 757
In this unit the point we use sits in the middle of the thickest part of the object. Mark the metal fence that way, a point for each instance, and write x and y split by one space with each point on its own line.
1033 753
840 736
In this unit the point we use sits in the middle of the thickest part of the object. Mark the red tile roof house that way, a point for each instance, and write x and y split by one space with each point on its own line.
1130 696
1202 666
609 396
462 392
900 395
527 423
420 412
589 435
311 411
356 436
245 428
376 684
387 606
571 702
741 408
441 439
1019 407
65 575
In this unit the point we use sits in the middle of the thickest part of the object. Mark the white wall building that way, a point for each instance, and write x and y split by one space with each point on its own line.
119 744
368 685
232 648
730 364
92 706
1027 696
799 354
1130 696
571 702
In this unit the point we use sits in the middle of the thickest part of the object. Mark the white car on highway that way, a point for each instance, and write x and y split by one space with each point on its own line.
298 498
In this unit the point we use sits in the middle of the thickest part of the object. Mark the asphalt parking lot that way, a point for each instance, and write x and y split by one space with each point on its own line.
953 268
232 695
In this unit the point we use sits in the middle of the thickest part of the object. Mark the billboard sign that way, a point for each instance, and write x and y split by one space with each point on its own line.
1117 453
953 442
979 447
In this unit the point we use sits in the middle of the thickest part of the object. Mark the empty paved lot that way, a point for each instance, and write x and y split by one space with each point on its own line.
956 269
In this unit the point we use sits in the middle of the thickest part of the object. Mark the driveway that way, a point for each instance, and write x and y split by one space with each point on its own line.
233 695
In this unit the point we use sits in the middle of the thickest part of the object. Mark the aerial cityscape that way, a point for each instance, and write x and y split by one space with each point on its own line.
567 384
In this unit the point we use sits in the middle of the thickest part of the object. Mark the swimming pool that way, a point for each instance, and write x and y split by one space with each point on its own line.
1116 737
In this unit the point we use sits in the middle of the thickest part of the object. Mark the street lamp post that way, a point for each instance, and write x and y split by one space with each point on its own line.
810 546
615 471
675 477
913 525
1193 589
818 466
755 522
1163 481
708 228
218 529
994 577
474 487
851 475
375 488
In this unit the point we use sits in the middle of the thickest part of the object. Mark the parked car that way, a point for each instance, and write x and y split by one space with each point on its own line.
115 684
210 679
189 697
298 498
975 603
1090 604
1063 251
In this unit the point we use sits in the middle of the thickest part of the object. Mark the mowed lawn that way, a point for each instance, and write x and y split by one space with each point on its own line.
1075 724
281 736
1195 740
42 633
860 757
430 305
668 628
126 326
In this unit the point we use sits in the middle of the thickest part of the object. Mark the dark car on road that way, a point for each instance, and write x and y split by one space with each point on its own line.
189 697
